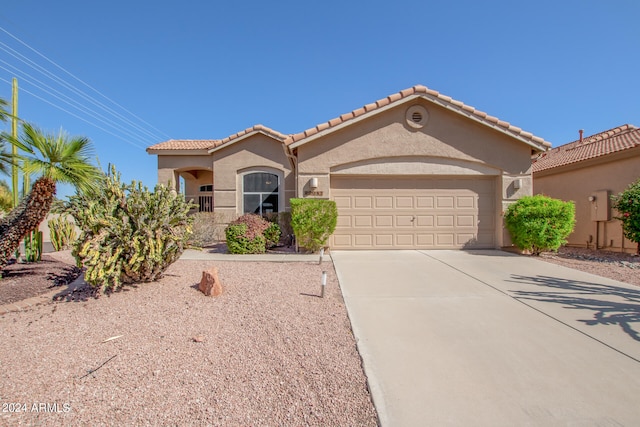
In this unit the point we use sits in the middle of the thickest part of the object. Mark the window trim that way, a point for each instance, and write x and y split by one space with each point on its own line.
276 172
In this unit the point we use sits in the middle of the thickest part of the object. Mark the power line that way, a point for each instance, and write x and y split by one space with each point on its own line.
81 81
69 101
76 116
119 122
72 88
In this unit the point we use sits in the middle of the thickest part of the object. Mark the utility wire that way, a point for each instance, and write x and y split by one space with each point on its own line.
81 81
69 101
136 133
72 88
77 116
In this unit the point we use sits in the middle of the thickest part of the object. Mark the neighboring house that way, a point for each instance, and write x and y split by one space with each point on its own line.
416 169
588 171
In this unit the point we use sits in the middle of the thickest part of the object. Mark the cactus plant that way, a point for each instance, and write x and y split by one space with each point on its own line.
62 232
128 234
33 246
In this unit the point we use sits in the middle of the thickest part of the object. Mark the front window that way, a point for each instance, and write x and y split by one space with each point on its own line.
260 193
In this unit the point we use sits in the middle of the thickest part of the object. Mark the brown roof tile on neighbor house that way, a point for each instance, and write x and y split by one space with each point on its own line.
601 144
184 144
432 96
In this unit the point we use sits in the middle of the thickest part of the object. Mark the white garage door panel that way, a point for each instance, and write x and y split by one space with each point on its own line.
398 212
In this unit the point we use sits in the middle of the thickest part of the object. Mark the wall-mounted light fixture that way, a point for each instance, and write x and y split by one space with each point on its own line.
592 198
313 183
517 183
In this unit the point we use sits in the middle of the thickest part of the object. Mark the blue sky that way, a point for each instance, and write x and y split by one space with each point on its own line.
199 69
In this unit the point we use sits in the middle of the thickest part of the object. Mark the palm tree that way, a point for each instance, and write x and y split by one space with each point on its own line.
56 158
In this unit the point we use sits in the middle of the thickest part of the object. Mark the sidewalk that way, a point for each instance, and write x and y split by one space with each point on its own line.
192 254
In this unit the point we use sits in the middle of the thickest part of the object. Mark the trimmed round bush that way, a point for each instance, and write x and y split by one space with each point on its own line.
539 223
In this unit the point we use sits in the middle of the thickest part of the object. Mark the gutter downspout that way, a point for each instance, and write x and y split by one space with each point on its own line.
294 164
293 159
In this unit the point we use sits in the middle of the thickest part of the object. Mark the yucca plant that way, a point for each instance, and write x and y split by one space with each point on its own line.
55 158
128 234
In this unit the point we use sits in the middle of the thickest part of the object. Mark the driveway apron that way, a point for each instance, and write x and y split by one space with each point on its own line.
491 338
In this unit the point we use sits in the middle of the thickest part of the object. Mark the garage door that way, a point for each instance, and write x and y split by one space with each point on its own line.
409 213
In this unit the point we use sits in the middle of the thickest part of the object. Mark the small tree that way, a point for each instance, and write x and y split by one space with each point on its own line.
539 223
313 221
627 204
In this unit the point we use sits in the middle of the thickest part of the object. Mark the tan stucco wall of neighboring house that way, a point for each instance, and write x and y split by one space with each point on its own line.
579 181
256 153
449 145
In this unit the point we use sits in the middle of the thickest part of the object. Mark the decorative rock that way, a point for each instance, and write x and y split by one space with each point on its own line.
210 284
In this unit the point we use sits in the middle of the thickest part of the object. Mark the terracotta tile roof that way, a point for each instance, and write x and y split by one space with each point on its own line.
601 144
254 129
184 144
208 144
432 96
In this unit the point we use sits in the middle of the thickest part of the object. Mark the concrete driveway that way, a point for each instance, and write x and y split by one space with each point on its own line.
488 338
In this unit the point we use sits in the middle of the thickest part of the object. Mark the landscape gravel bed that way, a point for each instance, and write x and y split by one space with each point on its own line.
623 267
268 351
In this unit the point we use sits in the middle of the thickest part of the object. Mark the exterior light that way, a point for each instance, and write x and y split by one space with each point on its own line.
313 183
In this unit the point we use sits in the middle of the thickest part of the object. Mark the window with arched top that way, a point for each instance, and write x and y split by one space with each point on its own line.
260 192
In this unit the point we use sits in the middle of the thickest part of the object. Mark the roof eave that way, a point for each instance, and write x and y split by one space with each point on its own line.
179 152
536 143
241 138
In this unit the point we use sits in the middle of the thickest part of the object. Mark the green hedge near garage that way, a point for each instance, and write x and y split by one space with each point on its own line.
313 221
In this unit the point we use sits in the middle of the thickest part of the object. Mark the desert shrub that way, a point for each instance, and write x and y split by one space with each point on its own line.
539 223
62 232
251 234
283 219
128 234
313 221
627 204
204 230
272 234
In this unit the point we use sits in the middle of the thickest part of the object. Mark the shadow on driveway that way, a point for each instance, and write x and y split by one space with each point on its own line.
612 305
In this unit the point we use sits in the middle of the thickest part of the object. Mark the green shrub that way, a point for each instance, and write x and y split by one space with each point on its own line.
251 234
62 232
239 243
313 221
128 234
627 204
283 219
539 223
272 234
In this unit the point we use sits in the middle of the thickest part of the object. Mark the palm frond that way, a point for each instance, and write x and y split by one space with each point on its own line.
59 157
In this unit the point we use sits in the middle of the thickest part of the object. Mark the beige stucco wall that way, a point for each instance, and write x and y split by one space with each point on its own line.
578 182
448 145
169 167
253 154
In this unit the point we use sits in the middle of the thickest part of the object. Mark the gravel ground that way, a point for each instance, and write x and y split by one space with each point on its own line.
614 265
266 352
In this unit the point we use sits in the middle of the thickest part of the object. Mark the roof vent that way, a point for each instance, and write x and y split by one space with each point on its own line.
581 132
417 116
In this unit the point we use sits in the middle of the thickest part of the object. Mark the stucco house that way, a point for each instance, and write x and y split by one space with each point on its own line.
588 171
416 169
